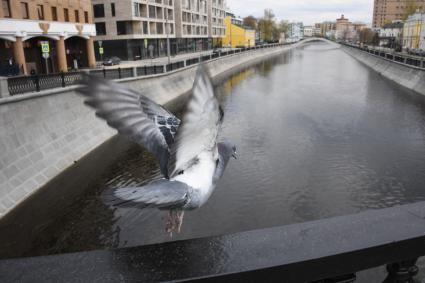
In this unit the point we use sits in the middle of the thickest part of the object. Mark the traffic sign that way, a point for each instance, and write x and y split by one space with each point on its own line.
46 55
45 48
101 51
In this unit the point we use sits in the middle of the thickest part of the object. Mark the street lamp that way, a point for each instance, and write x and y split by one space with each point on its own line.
167 26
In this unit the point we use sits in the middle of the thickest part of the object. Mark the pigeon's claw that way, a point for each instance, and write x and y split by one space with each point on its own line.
174 221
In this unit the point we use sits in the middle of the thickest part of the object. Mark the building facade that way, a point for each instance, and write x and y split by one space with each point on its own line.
344 28
296 32
308 31
139 29
412 31
386 11
65 26
237 35
390 35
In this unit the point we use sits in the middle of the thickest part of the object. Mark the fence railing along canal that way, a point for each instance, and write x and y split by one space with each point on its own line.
329 250
396 57
36 83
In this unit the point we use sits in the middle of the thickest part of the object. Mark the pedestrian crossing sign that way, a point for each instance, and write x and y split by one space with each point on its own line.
101 50
45 48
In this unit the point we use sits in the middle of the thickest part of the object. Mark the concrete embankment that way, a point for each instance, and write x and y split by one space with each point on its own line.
45 133
408 76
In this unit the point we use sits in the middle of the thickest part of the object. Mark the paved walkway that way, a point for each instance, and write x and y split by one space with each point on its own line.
160 60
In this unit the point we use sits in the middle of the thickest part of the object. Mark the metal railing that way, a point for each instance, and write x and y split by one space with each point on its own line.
328 250
397 57
36 83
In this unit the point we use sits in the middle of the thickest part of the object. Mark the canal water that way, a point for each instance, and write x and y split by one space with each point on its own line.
318 135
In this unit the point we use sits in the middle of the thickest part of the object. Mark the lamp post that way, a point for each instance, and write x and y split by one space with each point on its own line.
168 38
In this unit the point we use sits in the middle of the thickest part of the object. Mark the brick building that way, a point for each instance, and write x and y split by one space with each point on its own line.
66 25
387 11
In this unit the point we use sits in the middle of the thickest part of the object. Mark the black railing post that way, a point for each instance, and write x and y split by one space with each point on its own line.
36 79
63 78
146 71
402 272
119 72
104 73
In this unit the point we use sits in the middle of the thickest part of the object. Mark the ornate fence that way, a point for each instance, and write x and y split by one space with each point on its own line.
35 83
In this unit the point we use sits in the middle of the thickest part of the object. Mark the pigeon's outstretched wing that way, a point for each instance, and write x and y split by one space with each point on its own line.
200 124
161 194
133 115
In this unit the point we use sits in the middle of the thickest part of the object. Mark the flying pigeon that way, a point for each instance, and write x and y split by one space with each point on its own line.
190 157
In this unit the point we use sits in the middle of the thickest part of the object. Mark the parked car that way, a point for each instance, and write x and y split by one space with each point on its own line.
111 61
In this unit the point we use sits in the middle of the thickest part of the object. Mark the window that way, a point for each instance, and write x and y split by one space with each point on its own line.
77 16
66 14
113 9
40 12
99 11
124 27
54 14
86 17
121 28
100 28
6 8
24 10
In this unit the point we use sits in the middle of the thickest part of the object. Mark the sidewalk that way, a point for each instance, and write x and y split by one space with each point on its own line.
160 60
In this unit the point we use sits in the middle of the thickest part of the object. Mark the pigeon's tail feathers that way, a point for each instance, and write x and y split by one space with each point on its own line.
161 194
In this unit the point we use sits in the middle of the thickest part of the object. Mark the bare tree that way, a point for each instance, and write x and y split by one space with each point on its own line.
250 21
266 25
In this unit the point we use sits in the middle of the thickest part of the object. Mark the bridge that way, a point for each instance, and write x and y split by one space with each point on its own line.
330 250
320 39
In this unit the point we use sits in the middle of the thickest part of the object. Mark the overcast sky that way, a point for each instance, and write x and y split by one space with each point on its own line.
306 11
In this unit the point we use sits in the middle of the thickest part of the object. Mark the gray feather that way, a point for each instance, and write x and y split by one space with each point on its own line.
162 194
133 115
200 125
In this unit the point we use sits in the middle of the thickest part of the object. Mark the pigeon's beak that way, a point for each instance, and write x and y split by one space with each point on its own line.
234 155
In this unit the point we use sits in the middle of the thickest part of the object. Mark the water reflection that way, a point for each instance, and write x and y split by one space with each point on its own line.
318 135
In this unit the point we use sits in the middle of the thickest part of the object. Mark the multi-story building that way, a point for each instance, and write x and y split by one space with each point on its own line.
344 28
390 34
133 29
412 31
137 29
65 26
217 28
236 34
326 27
296 32
308 31
386 11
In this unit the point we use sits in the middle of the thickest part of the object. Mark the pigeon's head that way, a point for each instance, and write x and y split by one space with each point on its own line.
226 150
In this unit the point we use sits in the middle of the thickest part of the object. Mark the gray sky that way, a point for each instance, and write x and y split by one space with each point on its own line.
307 11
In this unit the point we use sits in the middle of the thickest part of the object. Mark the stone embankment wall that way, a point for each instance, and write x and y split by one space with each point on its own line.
43 134
405 75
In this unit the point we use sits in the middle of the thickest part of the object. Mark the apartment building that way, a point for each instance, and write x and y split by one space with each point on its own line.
413 34
65 25
217 27
386 11
138 29
133 29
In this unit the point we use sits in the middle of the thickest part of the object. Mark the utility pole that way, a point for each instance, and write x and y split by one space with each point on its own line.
168 38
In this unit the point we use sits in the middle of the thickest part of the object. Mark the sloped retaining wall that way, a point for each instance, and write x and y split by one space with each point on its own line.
408 76
43 134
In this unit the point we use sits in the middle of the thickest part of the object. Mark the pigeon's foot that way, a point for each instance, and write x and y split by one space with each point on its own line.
174 221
